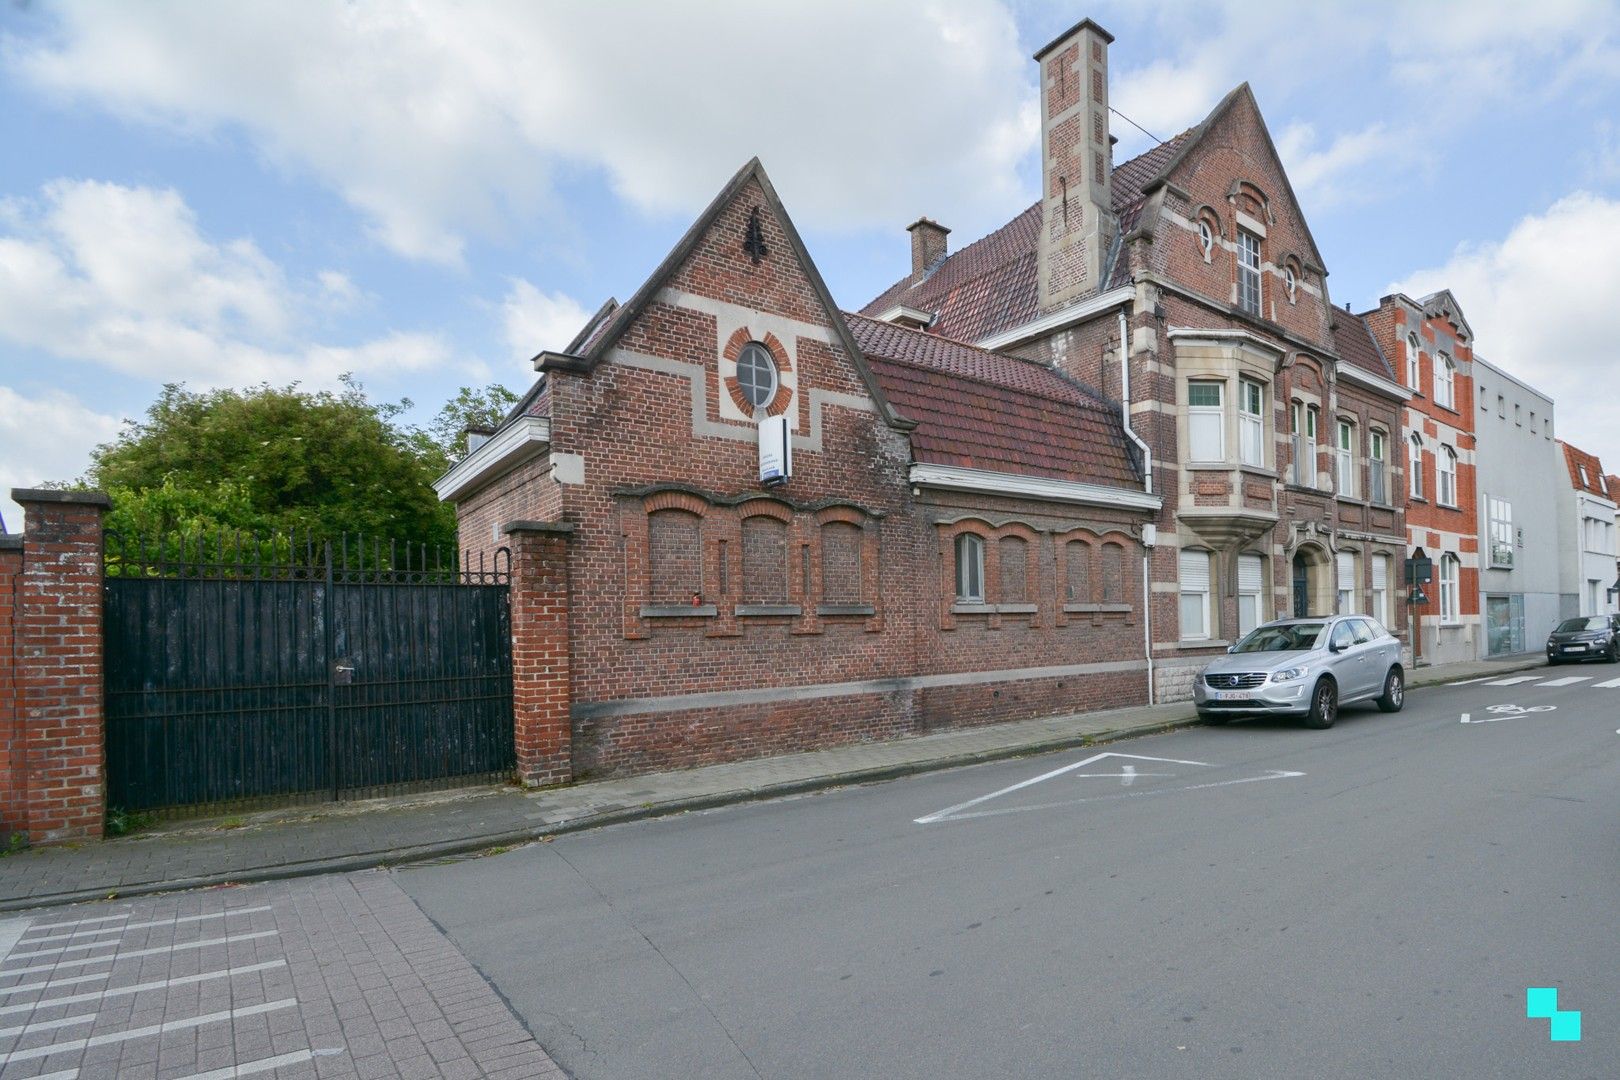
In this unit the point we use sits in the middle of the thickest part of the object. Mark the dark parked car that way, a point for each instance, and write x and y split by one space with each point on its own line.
1590 637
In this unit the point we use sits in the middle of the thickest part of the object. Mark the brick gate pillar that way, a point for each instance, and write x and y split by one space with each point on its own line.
13 768
542 686
58 645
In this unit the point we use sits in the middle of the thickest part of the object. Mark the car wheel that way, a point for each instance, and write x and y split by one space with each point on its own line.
1614 652
1324 705
1553 661
1394 691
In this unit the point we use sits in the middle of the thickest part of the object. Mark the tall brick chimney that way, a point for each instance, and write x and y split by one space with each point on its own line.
1077 218
927 246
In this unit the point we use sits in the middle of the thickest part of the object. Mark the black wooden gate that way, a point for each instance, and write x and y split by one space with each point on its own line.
242 672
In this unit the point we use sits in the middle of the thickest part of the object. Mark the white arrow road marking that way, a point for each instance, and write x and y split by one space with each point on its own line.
950 811
1126 776
1274 774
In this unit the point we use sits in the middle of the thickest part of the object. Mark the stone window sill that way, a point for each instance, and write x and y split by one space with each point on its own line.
1258 470
829 610
1210 643
746 611
993 609
1112 609
678 611
1209 466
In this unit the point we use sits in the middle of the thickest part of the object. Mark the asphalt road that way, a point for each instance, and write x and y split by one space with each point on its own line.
1211 915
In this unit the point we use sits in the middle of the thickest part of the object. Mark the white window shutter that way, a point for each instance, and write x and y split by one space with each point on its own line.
1381 572
1250 573
1195 571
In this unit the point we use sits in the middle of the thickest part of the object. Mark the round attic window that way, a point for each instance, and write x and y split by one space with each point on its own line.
756 374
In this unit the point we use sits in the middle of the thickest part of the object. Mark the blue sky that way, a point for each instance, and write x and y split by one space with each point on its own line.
427 194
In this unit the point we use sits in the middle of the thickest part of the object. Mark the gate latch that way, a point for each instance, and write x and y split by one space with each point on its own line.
342 674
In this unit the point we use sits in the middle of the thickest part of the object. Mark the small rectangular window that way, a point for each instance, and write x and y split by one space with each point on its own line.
1250 587
1345 452
1206 421
1377 467
1249 272
1251 423
969 569
1347 583
1195 595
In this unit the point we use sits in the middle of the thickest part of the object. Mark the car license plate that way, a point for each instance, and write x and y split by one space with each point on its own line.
1574 648
1231 695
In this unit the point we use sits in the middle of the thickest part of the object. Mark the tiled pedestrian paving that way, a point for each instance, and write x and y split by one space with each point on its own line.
337 976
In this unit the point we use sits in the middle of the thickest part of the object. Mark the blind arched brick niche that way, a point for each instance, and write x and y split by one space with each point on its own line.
1097 575
746 558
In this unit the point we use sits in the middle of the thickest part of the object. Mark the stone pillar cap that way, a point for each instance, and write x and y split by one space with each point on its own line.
82 497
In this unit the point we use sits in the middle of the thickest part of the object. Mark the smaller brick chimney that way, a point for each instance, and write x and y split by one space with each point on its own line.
927 246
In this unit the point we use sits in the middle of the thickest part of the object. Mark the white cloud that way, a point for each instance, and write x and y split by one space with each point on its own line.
45 439
437 120
535 321
122 277
1349 169
1541 302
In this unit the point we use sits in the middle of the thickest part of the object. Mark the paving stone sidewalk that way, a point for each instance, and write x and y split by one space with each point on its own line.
352 836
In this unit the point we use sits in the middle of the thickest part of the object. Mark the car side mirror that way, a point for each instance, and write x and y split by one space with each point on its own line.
1333 646
1231 649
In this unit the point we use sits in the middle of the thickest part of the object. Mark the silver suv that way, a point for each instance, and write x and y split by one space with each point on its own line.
1304 667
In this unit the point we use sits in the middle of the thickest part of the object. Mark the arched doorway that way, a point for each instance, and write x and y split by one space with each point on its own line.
1311 592
1302 585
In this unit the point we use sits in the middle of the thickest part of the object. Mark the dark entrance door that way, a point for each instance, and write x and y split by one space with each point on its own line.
262 673
1302 587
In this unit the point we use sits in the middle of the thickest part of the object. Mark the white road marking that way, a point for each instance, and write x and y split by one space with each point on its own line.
139 952
1514 681
1126 776
1567 680
65 1074
1607 685
1273 774
1469 682
141 1033
951 811
124 991
154 922
48 1025
62 949
6 991
1465 719
80 922
11 932
251 1068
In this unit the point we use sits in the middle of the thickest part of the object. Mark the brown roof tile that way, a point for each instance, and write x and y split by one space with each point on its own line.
981 410
1355 342
990 285
1577 459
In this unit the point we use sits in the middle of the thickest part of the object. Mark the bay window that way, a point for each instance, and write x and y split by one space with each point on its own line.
1206 421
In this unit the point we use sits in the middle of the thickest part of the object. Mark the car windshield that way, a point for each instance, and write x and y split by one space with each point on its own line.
1284 638
1571 626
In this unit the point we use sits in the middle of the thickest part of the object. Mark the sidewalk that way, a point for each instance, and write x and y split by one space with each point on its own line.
335 837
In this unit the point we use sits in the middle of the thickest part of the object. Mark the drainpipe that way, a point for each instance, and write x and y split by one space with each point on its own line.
1150 530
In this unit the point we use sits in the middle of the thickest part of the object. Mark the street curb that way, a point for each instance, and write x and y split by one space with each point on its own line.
668 808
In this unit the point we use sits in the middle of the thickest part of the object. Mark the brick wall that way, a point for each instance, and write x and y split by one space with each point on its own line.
58 667
13 778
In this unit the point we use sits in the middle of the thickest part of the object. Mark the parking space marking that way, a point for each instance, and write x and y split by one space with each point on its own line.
1567 680
124 991
1513 681
80 922
48 1025
142 1032
1607 685
182 946
952 811
21 988
252 1068
65 1074
56 949
143 925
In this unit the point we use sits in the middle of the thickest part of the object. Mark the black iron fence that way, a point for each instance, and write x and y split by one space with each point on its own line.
249 670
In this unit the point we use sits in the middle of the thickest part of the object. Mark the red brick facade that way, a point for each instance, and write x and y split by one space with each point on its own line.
13 750
710 618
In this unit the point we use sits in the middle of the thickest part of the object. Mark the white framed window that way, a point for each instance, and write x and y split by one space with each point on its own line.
1450 567
1206 420
1584 481
1378 466
1414 465
1251 422
1380 591
1196 619
1290 282
1414 371
1347 582
1445 467
969 568
1206 239
1344 451
756 374
1249 272
1445 382
1250 590
1499 512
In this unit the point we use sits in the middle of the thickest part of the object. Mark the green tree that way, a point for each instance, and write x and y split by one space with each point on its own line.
268 459
485 408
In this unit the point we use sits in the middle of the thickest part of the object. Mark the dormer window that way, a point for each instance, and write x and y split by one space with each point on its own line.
1248 272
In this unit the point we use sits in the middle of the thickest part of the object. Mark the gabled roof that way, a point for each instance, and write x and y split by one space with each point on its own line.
977 409
990 285
1437 303
1577 459
599 342
1354 341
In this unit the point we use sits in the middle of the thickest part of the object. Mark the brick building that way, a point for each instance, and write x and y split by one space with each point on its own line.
1434 347
1186 284
961 539
1586 525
